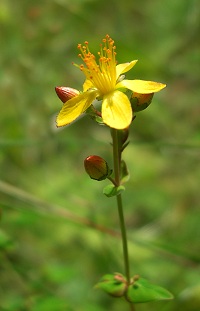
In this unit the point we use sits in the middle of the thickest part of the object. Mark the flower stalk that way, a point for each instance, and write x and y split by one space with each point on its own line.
117 173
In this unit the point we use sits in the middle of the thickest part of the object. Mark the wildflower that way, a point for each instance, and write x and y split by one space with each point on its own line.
104 80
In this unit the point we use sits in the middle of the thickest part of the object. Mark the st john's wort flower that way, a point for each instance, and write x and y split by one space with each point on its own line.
104 81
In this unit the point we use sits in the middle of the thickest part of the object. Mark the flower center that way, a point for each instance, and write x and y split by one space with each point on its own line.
101 74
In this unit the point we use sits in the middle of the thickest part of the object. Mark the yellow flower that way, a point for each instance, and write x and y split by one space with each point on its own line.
104 81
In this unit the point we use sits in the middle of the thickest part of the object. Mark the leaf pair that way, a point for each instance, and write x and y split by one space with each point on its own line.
139 291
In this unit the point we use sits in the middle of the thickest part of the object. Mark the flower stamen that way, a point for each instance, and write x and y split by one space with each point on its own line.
102 74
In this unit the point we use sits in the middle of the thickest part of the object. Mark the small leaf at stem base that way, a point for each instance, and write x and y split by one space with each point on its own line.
112 190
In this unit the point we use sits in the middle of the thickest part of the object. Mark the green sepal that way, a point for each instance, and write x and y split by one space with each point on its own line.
113 284
93 113
111 190
124 172
143 291
99 120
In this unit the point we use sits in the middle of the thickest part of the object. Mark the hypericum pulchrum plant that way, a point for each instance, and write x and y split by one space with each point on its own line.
121 98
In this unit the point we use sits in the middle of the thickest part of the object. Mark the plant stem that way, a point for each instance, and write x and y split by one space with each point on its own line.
124 238
117 171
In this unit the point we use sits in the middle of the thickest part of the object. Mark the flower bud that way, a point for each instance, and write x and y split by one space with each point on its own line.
96 167
66 93
140 101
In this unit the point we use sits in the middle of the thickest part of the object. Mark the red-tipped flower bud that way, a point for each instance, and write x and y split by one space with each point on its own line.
140 101
96 167
66 93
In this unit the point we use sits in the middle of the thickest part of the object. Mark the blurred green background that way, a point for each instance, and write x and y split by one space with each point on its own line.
55 241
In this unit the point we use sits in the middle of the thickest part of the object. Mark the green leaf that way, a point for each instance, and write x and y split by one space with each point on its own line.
113 284
112 190
124 172
124 145
143 291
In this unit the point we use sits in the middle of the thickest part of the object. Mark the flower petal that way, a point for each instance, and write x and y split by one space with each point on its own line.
141 86
87 85
116 110
122 68
74 107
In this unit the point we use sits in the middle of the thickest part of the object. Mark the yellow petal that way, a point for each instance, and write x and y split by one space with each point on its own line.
116 110
87 85
122 68
141 86
74 107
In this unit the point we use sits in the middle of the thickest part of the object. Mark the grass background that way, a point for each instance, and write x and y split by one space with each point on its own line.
55 241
